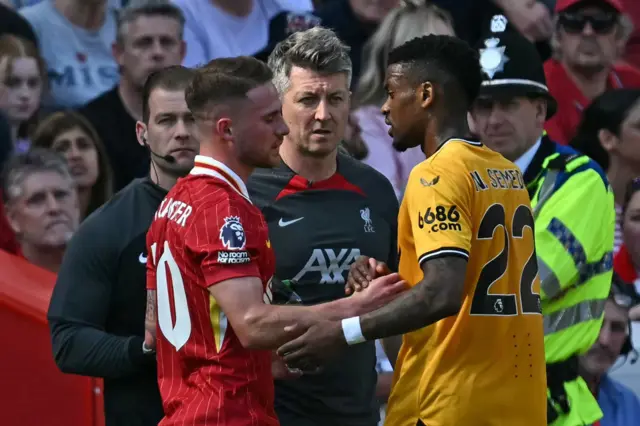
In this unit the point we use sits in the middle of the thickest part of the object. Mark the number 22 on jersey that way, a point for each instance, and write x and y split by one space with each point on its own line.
485 303
177 333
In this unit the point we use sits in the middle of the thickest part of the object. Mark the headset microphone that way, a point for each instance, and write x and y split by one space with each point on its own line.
168 158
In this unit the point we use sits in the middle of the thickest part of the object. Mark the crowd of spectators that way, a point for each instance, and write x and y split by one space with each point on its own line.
72 74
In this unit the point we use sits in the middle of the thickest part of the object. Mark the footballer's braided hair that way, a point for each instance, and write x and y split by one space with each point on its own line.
444 60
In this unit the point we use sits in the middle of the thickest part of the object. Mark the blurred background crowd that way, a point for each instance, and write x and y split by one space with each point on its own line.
72 72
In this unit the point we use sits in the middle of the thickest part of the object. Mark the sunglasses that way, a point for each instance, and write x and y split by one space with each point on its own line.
575 22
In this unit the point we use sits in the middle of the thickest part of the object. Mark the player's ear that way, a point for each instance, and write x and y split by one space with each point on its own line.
224 128
426 92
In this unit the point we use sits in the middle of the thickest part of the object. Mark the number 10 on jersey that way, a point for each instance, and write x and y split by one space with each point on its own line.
176 333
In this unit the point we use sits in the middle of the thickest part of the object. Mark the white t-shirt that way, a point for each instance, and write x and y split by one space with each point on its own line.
79 62
212 33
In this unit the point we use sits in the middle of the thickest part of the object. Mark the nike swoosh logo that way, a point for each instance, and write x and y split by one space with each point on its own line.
283 223
142 258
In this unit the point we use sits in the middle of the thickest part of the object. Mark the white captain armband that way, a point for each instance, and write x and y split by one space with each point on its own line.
352 331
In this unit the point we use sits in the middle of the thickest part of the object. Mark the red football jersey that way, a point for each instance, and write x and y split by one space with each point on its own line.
207 231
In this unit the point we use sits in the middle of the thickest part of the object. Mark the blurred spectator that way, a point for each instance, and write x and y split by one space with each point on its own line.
401 25
75 40
531 18
41 205
609 134
227 28
620 406
589 38
627 261
352 143
11 22
149 38
72 136
354 21
18 4
632 50
23 75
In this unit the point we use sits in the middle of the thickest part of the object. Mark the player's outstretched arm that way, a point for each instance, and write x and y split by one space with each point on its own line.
437 296
262 326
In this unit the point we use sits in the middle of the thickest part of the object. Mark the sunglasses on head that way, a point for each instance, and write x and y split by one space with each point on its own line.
575 22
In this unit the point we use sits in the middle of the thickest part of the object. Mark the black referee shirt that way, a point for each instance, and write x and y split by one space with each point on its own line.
317 229
97 310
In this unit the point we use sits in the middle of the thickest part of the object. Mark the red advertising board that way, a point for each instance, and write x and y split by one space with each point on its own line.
32 389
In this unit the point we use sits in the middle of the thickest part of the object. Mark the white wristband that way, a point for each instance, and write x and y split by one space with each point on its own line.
352 331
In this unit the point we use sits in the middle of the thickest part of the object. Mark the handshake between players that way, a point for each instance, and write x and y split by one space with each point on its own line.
371 285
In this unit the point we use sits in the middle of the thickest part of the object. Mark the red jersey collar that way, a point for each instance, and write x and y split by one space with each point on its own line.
210 167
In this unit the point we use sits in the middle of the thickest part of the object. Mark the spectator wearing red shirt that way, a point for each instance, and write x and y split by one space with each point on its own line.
589 37
632 50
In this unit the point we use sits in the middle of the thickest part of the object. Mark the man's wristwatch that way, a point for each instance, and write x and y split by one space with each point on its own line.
146 350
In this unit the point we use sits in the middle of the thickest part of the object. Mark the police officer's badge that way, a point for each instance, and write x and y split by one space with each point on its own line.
493 58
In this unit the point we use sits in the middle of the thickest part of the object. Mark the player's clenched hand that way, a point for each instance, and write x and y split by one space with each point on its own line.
312 348
380 291
280 371
362 271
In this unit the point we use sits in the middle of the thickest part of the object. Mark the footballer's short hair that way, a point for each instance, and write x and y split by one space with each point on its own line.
223 80
447 61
